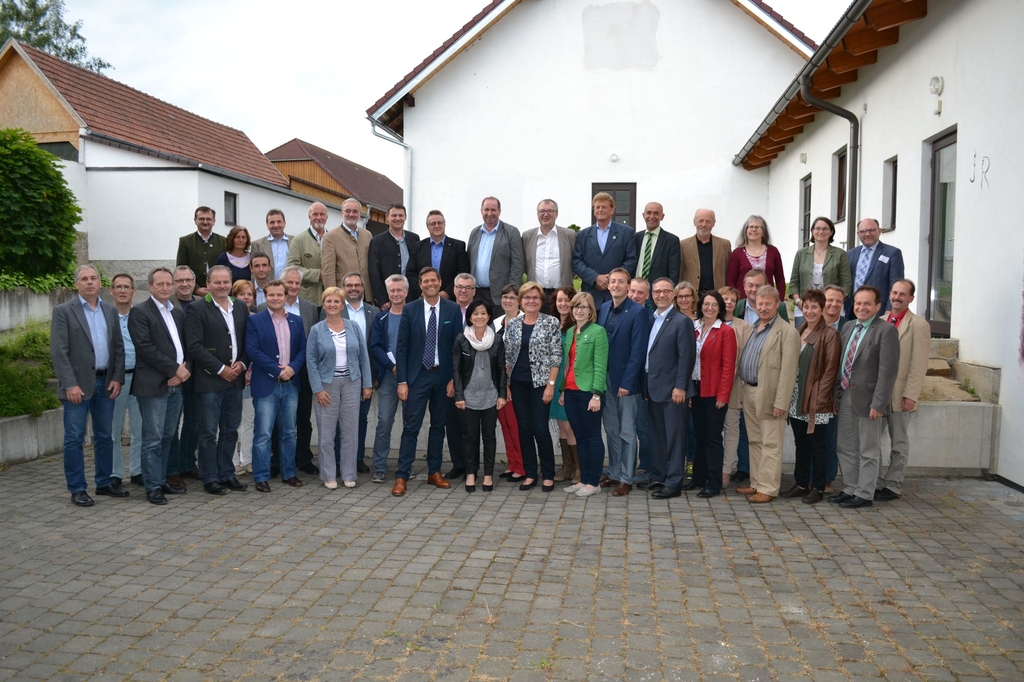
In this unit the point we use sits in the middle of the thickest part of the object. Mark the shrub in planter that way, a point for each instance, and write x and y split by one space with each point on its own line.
24 369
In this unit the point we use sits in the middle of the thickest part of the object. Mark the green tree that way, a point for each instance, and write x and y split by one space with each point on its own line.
40 23
38 211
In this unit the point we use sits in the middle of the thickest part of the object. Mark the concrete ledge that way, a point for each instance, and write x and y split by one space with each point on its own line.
25 438
21 306
984 380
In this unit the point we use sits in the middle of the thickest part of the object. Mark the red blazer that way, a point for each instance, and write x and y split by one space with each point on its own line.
717 363
740 266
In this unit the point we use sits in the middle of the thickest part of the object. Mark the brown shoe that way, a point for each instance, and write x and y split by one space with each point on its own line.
622 489
436 479
293 482
176 481
760 498
746 490
569 464
608 482
399 488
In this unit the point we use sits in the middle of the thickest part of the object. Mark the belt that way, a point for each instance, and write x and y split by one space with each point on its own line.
129 371
749 384
435 368
101 373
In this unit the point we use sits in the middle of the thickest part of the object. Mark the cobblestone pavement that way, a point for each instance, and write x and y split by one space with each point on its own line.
309 584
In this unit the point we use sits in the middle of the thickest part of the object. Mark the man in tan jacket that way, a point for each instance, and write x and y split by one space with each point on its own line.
915 342
346 248
767 370
704 258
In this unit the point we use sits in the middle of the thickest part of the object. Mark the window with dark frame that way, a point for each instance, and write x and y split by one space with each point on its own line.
840 188
890 173
230 208
805 209
624 194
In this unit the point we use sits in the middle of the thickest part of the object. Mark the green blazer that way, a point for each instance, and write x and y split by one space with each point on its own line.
591 368
836 270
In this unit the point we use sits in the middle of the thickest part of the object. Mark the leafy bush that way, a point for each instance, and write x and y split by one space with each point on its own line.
24 369
40 285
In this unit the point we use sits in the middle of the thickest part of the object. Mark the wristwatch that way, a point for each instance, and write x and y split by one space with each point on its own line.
551 383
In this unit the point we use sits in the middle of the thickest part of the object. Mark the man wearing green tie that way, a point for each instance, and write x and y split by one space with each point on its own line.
657 248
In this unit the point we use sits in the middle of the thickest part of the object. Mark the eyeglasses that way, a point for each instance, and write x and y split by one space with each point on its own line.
184 281
435 223
509 297
581 307
662 292
546 211
464 287
685 296
531 298
754 227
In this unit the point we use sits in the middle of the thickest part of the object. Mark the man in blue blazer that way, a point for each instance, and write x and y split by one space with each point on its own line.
276 344
601 248
384 350
873 263
426 335
627 324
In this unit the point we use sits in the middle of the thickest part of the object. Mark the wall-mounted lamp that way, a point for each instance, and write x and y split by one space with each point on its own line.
613 158
803 157
935 85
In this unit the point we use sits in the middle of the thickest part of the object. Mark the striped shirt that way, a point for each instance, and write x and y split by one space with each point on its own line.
751 357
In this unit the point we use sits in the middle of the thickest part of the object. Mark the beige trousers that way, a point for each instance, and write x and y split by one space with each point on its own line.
765 437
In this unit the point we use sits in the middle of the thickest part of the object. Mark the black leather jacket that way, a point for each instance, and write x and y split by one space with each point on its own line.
464 358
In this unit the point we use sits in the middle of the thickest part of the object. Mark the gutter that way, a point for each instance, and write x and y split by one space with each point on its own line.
395 139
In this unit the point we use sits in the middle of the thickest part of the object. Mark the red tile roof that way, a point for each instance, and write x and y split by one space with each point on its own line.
797 33
365 184
116 110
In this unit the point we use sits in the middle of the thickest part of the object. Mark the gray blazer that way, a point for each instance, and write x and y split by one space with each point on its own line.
875 369
671 359
72 353
506 258
263 246
566 244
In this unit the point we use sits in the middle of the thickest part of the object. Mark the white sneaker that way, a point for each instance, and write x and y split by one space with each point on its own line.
584 492
573 488
331 485
348 484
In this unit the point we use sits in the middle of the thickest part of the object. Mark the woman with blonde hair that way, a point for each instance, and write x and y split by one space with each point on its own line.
686 299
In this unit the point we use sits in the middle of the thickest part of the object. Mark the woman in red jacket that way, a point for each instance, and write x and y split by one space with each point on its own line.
713 378
754 251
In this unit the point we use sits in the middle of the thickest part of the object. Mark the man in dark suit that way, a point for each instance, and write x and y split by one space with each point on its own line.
200 249
657 249
182 459
440 252
274 245
547 251
873 263
495 255
215 339
601 248
87 353
868 371
390 252
426 335
627 325
157 329
361 314
384 349
276 345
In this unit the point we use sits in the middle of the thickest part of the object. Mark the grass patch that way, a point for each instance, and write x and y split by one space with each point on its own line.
24 369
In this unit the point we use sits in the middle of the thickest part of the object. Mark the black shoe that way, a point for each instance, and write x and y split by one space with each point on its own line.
214 489
170 489
361 468
527 486
515 479
233 484
311 469
649 485
666 493
111 491
156 496
841 497
795 491
82 499
855 503
813 497
692 486
471 488
137 479
739 477
115 482
707 492
547 488
506 474
262 487
455 474
886 495
487 488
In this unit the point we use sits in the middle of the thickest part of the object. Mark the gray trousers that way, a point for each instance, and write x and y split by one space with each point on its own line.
860 451
898 424
344 412
620 430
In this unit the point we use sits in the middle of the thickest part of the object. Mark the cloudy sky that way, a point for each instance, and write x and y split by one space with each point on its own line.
303 68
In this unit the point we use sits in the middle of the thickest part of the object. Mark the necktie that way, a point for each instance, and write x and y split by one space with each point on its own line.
894 320
844 381
863 263
430 348
645 269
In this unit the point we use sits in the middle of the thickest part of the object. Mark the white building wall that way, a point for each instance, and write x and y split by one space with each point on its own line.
253 203
537 107
971 46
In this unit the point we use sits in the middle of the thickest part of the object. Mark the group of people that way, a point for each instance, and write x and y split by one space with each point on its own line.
674 346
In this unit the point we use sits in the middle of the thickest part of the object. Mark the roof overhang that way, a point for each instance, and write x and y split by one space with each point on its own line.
782 29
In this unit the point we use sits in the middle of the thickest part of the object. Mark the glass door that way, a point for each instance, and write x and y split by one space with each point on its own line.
940 238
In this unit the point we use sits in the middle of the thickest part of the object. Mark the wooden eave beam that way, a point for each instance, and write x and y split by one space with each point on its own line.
825 79
895 14
787 122
867 40
748 165
841 61
798 109
779 134
770 146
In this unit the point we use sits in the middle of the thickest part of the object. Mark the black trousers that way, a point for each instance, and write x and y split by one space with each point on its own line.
708 422
477 424
810 454
453 426
534 437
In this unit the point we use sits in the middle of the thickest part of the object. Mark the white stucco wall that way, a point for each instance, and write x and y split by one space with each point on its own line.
972 47
537 106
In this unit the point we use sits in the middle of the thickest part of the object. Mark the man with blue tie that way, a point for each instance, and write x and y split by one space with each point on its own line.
601 248
873 263
426 335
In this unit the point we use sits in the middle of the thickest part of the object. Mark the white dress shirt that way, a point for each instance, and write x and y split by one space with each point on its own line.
172 329
549 264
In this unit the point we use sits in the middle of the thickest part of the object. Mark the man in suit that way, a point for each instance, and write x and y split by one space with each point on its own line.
384 350
122 290
426 335
361 314
262 269
657 249
215 340
157 329
200 249
915 347
276 345
873 262
346 248
601 248
440 252
87 353
274 245
640 293
495 255
184 444
304 253
547 251
627 325
671 351
390 252
704 258
767 369
867 375
746 309
308 313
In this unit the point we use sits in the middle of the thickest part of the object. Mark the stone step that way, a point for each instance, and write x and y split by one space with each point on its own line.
938 367
944 390
947 349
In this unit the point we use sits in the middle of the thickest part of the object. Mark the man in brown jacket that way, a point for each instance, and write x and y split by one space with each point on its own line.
346 248
704 258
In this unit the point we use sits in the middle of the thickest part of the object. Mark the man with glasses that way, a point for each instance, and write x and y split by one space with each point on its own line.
495 255
465 292
122 290
442 253
873 263
182 463
547 251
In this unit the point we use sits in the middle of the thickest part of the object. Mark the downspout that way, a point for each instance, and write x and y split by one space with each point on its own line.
853 155
408 164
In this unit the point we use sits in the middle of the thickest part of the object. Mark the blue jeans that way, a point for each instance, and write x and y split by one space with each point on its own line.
183 449
101 407
387 407
643 434
280 408
427 390
218 410
620 428
587 427
126 403
160 416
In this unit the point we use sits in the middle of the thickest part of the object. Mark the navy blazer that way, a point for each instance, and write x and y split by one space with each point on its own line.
261 346
627 345
672 358
412 339
886 268
588 262
379 345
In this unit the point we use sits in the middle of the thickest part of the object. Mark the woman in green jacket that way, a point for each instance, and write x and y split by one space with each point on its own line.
585 359
819 264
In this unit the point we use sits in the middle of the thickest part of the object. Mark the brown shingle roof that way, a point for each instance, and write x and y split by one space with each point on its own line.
788 25
365 184
121 112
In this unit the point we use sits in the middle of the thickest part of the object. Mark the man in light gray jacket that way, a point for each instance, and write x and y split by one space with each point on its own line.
495 255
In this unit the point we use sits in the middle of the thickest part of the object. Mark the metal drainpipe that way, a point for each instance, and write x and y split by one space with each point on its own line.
853 153
408 164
